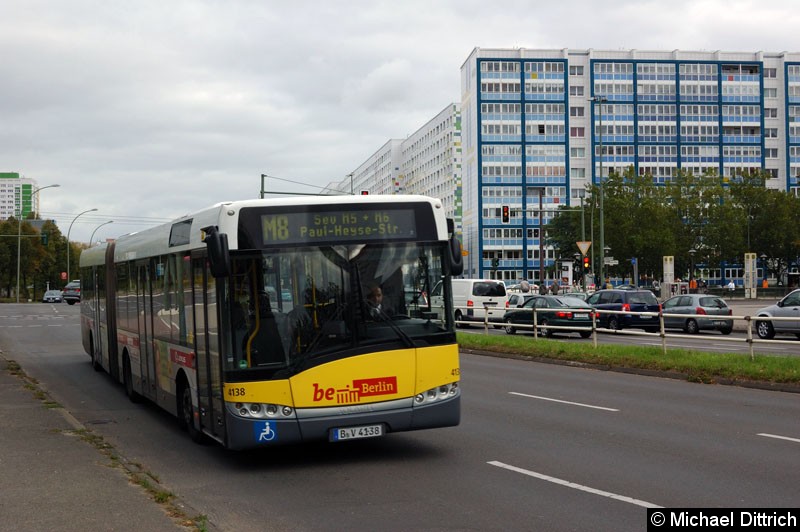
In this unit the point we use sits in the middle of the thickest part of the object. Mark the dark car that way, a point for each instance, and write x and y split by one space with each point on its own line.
72 292
52 296
788 307
626 301
698 312
560 311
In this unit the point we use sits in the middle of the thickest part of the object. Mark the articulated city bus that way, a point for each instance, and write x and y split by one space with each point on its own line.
250 321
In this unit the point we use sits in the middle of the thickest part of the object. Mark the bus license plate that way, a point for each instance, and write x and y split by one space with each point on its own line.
354 433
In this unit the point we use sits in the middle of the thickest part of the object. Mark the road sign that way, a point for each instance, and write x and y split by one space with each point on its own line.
610 261
584 247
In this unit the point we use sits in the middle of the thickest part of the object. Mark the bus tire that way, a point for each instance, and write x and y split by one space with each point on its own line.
186 411
127 378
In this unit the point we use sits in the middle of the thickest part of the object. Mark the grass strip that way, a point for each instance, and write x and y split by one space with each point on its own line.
698 366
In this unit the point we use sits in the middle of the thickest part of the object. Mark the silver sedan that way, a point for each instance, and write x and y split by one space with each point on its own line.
788 307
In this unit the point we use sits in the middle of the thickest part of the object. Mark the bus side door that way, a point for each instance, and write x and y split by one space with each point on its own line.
144 300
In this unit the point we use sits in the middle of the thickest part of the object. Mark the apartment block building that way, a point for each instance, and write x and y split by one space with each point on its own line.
428 162
534 121
16 195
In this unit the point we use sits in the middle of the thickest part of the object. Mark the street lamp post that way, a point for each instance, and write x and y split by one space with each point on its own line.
601 100
19 233
68 244
692 251
91 238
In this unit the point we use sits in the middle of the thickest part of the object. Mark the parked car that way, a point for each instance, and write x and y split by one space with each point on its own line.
517 300
626 301
788 307
72 292
562 311
473 299
52 296
701 304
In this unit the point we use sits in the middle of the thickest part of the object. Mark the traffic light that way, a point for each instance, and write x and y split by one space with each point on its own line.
506 214
44 238
495 263
365 192
585 262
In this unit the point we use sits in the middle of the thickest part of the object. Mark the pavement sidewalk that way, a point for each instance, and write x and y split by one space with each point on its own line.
52 479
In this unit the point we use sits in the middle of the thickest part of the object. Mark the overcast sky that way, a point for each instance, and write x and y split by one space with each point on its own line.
148 110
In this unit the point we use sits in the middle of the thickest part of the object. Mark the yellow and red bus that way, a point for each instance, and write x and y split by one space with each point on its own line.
249 320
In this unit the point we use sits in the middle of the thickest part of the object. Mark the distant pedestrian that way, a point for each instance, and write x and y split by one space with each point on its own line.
543 289
731 285
554 288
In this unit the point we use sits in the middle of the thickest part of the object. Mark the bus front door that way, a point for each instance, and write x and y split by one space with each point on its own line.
207 348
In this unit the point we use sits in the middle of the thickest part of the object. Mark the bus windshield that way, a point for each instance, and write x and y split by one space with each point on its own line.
291 306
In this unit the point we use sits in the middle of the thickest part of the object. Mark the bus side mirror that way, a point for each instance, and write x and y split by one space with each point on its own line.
455 251
219 259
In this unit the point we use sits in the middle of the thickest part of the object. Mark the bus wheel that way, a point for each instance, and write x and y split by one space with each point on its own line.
186 412
127 377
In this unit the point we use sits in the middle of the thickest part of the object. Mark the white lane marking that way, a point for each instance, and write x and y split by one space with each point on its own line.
797 440
573 485
565 402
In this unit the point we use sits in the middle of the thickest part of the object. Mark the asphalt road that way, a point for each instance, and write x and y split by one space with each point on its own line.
540 447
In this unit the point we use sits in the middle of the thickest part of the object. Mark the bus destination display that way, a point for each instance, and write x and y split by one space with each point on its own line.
338 226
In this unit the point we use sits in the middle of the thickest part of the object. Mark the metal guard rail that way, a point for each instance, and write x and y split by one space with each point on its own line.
594 313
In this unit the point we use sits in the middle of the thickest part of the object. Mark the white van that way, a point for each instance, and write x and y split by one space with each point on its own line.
472 296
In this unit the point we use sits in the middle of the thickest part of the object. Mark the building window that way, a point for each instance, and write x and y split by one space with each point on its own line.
576 111
771 153
770 92
577 153
770 72
576 90
771 132
577 132
576 70
770 112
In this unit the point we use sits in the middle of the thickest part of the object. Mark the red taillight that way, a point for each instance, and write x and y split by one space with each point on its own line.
660 308
564 315
626 307
699 310
506 303
470 303
730 312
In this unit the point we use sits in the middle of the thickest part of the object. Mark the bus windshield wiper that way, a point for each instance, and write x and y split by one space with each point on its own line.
397 330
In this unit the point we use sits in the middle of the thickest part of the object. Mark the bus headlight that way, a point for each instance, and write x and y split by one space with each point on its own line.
440 393
260 410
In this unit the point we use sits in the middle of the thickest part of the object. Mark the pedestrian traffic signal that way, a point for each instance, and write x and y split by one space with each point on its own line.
365 192
585 263
506 214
